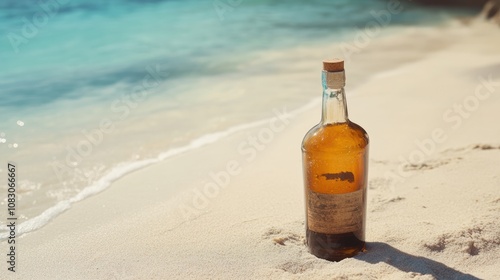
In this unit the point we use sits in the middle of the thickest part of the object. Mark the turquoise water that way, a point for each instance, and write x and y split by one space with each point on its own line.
68 70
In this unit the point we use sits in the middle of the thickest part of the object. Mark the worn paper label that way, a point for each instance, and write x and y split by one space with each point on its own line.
335 213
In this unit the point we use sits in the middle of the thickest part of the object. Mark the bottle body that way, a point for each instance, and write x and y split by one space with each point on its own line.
335 165
335 174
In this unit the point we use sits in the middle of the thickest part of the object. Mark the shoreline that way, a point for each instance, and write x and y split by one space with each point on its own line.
138 221
303 70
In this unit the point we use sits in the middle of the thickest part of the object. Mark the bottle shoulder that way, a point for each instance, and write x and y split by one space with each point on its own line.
333 137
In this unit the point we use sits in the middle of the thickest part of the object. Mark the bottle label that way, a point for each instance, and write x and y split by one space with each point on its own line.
335 213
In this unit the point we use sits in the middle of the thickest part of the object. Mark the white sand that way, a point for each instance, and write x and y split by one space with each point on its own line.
433 218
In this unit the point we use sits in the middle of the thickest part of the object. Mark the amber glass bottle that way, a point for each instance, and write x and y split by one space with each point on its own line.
335 164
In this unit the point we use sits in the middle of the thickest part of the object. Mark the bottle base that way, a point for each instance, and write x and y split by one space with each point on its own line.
334 247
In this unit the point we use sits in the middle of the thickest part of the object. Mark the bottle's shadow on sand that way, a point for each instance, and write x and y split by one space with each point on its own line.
381 252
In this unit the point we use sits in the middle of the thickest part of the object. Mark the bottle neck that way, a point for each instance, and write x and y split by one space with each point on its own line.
334 102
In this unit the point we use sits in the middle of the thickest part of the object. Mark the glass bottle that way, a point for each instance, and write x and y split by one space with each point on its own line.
335 165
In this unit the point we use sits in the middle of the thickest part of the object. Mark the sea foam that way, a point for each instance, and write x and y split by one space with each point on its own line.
123 169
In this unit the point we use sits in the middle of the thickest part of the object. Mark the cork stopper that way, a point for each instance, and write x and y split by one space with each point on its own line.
333 65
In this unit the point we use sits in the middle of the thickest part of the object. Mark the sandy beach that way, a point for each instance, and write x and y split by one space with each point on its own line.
237 208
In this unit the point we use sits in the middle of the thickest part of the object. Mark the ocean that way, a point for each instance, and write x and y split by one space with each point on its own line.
93 90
